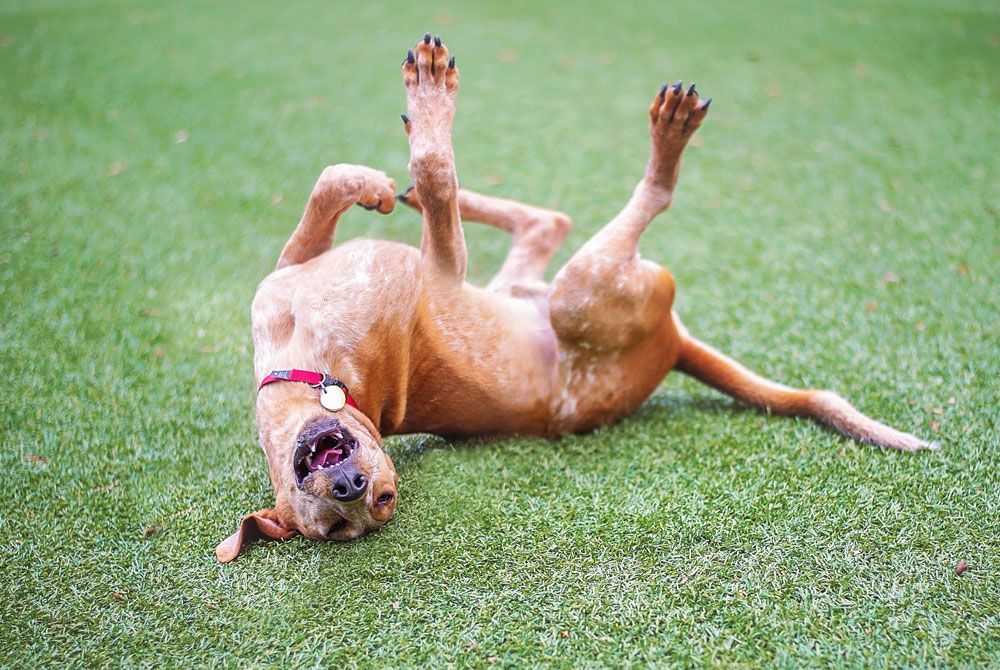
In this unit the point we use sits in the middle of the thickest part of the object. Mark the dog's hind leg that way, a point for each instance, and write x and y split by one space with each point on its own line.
431 81
606 297
536 233
674 116
338 187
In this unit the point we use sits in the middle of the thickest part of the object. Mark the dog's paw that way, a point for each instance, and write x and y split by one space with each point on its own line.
378 193
411 199
675 113
367 187
428 66
673 117
431 81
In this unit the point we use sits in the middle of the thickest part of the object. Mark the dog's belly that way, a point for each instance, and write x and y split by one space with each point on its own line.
510 374
483 363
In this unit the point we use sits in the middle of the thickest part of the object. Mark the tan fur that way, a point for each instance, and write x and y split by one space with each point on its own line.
423 351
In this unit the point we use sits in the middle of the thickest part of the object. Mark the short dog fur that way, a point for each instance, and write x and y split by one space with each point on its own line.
421 350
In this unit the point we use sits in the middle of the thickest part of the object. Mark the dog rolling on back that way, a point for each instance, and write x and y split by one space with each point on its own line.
370 338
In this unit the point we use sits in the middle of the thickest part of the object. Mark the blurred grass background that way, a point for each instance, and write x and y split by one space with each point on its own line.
835 226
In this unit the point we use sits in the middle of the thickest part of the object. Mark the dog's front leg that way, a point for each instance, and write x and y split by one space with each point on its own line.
431 81
338 187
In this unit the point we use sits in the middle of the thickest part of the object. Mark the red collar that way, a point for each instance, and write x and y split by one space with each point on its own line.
315 379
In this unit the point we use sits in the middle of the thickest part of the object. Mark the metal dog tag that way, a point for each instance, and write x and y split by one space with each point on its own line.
333 398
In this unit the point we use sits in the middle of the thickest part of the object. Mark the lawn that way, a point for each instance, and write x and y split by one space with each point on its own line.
836 225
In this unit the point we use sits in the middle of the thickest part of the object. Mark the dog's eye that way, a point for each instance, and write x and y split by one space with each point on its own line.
385 499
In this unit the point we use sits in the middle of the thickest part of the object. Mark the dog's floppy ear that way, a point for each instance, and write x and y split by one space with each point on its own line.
263 523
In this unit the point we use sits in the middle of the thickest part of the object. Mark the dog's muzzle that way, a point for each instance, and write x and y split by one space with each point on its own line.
327 449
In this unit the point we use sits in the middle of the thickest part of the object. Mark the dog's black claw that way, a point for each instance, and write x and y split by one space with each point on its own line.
437 41
427 38
691 90
677 87
663 90
707 103
405 118
451 63
409 57
405 195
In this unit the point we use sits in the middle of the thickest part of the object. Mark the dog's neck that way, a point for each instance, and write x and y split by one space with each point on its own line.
316 389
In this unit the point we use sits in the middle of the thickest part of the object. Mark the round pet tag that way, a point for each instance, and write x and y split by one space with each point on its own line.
333 398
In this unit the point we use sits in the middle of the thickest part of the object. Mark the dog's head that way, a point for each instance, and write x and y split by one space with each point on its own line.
332 480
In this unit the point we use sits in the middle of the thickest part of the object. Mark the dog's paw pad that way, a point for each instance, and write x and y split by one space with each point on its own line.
431 81
429 63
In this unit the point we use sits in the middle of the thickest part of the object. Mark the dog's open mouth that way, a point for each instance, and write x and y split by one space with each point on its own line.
328 449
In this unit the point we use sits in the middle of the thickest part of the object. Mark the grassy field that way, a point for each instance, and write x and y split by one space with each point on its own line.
836 226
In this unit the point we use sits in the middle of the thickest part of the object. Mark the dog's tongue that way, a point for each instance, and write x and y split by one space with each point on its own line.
325 458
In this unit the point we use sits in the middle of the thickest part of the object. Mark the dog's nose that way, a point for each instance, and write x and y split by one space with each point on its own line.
349 484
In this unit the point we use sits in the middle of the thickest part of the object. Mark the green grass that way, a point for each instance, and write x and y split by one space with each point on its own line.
849 145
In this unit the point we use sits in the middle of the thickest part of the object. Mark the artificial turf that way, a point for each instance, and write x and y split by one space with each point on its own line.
835 226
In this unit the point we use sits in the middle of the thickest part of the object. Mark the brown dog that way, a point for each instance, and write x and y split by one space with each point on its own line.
373 338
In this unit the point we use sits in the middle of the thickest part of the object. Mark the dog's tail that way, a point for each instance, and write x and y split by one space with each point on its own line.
719 371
